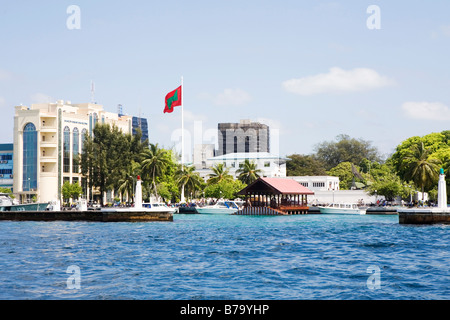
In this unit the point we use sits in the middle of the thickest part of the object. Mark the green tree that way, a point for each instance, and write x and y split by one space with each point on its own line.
187 178
128 181
71 190
420 167
348 174
304 165
220 173
345 149
227 189
155 161
248 172
105 157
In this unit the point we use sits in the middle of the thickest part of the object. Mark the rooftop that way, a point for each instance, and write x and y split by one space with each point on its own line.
276 186
247 155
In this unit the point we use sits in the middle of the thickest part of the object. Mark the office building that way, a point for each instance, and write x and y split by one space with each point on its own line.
245 136
142 124
270 165
6 165
48 138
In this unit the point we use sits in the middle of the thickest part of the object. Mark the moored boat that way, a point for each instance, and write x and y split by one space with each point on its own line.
8 204
342 208
220 207
157 207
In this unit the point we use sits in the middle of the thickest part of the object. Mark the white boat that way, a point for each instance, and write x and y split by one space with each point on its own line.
221 207
9 204
157 207
342 208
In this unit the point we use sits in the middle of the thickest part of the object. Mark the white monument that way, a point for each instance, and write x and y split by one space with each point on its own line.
442 191
138 195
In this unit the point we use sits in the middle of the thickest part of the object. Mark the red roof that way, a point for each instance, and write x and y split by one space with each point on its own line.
277 186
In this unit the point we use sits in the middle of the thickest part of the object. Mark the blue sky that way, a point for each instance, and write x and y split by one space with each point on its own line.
310 69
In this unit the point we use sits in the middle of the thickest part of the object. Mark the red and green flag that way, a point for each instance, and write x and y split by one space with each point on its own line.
173 99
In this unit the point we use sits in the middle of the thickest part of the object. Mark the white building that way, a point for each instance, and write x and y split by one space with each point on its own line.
201 156
318 183
326 190
269 164
48 138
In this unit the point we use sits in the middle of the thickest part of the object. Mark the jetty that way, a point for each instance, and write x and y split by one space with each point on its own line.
138 213
275 196
435 215
119 215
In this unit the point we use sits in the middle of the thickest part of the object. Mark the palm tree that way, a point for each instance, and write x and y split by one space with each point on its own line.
420 168
248 172
187 178
155 160
128 180
220 173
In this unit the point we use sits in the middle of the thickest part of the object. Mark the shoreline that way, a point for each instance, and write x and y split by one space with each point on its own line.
90 215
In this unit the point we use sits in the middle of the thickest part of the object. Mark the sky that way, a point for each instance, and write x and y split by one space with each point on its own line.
312 70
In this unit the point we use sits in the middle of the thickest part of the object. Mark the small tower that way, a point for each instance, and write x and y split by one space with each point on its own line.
442 191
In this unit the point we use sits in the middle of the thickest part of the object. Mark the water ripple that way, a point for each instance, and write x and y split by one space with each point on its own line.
226 257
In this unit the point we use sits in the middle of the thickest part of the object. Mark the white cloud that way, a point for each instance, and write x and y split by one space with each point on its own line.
337 80
435 111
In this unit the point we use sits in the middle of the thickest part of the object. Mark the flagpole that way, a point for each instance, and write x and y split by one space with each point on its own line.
182 136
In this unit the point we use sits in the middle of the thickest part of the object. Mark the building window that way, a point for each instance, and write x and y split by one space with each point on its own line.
66 150
247 144
29 157
235 144
267 164
224 144
75 152
318 184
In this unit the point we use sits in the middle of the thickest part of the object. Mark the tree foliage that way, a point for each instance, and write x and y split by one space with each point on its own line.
419 159
105 156
345 149
188 179
248 172
71 190
304 165
220 173
226 189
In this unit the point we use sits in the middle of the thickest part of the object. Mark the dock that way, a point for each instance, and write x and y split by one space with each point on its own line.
89 215
382 210
423 216
274 196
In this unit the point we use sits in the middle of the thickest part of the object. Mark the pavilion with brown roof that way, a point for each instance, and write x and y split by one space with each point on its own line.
275 196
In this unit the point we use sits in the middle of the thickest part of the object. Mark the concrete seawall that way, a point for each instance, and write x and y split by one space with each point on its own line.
90 215
423 217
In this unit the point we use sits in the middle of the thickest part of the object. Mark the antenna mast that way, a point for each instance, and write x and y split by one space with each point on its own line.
92 92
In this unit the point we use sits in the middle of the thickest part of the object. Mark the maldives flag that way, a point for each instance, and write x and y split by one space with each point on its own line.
173 99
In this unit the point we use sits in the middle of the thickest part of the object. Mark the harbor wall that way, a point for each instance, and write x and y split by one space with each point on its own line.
90 215
423 217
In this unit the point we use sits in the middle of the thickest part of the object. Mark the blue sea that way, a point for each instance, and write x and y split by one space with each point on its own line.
225 257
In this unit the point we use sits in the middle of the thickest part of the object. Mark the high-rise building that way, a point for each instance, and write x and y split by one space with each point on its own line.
142 124
6 165
48 138
245 136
